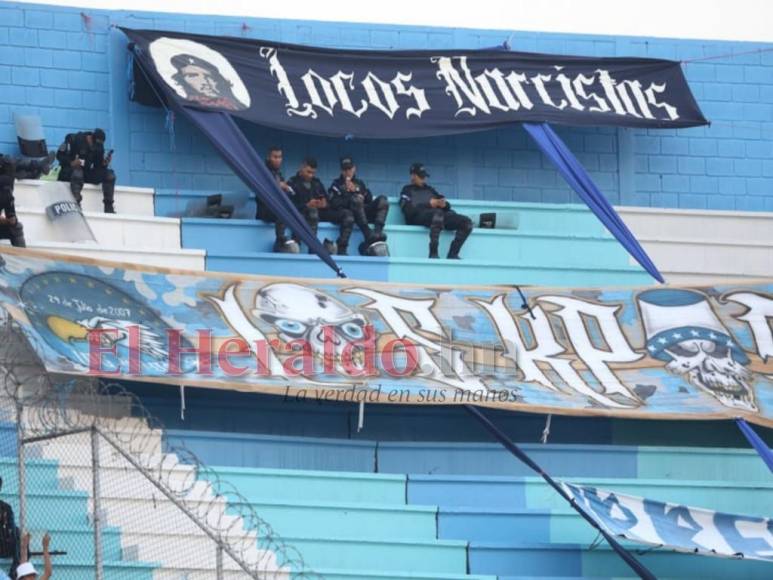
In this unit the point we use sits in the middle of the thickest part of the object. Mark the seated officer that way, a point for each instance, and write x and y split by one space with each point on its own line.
311 200
422 205
274 159
10 227
83 160
349 192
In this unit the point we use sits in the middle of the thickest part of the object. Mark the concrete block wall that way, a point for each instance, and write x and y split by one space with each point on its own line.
70 66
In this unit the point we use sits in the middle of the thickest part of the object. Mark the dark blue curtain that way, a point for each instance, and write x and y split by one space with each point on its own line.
229 140
576 176
756 441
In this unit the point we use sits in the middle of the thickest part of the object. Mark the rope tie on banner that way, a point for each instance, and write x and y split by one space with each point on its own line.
546 430
361 416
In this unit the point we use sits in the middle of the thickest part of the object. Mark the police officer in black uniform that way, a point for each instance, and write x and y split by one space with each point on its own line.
10 227
311 200
349 192
83 160
422 205
274 159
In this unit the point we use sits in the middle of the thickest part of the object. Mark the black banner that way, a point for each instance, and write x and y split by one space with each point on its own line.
398 94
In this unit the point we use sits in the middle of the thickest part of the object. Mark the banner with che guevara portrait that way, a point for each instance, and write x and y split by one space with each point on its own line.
649 352
402 93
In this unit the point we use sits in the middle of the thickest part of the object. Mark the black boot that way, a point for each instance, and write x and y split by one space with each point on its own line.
462 233
435 228
108 191
361 219
382 209
378 232
347 224
312 218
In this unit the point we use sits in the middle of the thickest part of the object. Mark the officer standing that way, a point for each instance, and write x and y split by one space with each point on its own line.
83 160
10 226
311 200
349 192
422 205
274 159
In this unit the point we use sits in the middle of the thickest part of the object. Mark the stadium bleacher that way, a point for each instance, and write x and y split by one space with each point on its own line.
418 492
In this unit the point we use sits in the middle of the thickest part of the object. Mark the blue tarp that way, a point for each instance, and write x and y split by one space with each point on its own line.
756 441
579 180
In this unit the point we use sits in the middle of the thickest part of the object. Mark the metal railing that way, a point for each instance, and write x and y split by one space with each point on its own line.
163 506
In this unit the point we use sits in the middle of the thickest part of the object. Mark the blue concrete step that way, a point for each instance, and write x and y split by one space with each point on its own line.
338 574
518 525
78 542
502 493
547 249
321 486
308 516
42 472
307 266
456 458
84 569
723 464
437 557
575 560
422 270
521 216
277 452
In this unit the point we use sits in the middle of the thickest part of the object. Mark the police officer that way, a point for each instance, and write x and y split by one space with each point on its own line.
10 227
83 160
422 205
349 192
311 200
274 159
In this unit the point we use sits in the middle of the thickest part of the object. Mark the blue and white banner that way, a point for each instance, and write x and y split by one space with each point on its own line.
402 94
675 526
664 352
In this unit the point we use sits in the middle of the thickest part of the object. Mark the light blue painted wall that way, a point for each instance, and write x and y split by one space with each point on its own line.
70 67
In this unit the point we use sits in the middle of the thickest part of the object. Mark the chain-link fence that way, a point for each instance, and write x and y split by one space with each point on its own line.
84 461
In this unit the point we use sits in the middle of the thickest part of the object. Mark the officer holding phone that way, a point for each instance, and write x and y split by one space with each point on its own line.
423 205
83 160
311 200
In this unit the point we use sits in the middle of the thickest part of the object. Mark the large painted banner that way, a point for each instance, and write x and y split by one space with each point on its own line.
658 352
401 94
675 526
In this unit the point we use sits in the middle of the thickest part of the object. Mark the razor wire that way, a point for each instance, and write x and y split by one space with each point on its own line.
60 407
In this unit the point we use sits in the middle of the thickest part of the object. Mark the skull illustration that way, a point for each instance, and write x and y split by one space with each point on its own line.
683 331
711 366
301 313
